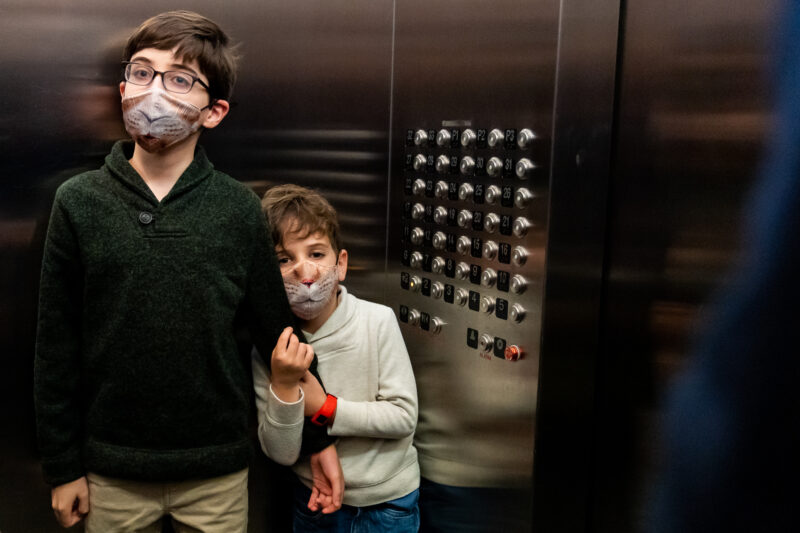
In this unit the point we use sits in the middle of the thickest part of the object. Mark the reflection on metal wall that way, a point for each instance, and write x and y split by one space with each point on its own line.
312 107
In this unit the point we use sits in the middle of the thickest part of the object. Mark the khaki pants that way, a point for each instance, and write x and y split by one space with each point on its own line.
207 506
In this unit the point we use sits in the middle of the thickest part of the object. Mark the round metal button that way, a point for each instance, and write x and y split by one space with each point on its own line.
145 217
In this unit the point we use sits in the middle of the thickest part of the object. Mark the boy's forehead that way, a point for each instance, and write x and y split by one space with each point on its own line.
164 59
294 234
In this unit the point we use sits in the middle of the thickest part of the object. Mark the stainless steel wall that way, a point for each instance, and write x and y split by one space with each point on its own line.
654 113
312 107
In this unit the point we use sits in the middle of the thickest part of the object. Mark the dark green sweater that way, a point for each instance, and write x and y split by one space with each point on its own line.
137 373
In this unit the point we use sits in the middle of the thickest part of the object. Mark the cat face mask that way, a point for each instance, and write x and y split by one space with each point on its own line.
308 299
156 120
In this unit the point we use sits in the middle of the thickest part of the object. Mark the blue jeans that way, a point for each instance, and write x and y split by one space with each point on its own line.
395 516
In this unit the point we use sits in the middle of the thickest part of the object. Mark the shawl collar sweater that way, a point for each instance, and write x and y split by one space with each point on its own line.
138 374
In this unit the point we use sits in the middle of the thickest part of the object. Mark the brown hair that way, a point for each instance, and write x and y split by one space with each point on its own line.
313 213
196 38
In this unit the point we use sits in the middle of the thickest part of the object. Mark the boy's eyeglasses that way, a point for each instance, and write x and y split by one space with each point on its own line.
175 81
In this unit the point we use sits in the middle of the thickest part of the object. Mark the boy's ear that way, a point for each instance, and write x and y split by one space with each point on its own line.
342 264
216 113
122 88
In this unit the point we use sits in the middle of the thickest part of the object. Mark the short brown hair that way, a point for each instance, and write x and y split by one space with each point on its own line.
313 213
196 38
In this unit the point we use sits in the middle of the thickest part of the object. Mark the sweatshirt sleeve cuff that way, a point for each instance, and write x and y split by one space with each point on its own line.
285 413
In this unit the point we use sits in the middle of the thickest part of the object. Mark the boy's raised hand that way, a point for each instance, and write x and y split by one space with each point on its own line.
290 360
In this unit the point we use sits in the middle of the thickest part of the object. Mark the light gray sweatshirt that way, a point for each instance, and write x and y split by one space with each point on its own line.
364 363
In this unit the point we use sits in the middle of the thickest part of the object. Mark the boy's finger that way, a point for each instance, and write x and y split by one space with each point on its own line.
309 357
283 339
291 349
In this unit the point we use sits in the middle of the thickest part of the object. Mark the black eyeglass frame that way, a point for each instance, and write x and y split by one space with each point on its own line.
195 79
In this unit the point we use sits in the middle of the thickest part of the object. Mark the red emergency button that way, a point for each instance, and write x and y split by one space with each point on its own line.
513 353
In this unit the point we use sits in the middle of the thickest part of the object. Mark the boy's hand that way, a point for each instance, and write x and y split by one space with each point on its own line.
328 481
70 501
314 394
290 360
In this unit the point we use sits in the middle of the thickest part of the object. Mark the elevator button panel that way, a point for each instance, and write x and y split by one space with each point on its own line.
472 215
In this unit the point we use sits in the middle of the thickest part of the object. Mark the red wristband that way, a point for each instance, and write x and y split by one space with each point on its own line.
325 412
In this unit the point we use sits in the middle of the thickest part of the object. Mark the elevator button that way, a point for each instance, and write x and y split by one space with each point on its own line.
450 267
403 313
491 222
525 138
495 138
502 280
464 218
417 236
519 255
517 313
461 296
489 250
501 309
472 338
418 211
436 325
415 260
477 247
493 193
477 220
413 317
494 167
463 245
420 137
524 168
465 192
513 353
437 265
488 278
468 137
462 271
485 342
499 347
522 198
507 199
443 138
439 240
477 196
474 300
518 284
449 293
467 166
440 190
425 321
440 215
437 289
520 226
504 253
442 164
419 162
487 305
414 283
418 187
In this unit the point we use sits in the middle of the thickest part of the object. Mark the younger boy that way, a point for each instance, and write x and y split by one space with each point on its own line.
372 405
141 393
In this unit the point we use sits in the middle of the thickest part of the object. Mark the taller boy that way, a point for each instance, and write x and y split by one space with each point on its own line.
141 392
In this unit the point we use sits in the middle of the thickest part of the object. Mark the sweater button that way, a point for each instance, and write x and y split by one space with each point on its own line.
145 217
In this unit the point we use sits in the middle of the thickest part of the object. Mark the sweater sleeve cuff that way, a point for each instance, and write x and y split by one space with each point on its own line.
347 420
285 413
63 468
